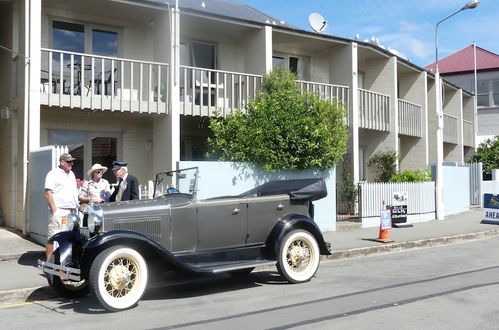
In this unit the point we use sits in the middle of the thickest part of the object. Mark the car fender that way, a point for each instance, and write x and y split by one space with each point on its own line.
292 222
65 244
141 243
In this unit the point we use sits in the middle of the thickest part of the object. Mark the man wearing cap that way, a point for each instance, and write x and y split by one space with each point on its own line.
62 196
128 185
97 190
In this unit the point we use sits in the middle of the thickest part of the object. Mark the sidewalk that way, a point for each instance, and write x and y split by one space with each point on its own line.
21 281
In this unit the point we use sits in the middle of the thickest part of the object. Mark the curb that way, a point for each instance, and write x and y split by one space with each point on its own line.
408 245
19 296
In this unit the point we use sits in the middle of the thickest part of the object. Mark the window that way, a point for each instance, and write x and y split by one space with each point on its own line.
296 64
89 148
488 93
82 38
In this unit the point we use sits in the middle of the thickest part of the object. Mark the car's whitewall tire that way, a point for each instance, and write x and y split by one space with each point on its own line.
118 278
299 256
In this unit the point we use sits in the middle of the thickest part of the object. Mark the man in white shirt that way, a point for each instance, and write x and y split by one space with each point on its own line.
62 197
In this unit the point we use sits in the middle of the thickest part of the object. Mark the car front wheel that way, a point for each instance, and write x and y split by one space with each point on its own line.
118 278
66 288
298 256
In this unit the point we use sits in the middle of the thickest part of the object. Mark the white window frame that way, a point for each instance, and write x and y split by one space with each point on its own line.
88 27
305 75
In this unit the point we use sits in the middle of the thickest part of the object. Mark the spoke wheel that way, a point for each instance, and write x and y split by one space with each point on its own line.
67 289
118 278
298 256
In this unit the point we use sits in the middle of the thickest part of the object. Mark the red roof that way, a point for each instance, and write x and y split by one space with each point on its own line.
462 61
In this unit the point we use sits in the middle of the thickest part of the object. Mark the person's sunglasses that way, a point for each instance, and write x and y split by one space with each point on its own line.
69 161
98 171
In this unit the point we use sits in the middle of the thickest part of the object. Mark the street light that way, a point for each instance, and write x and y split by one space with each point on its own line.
440 117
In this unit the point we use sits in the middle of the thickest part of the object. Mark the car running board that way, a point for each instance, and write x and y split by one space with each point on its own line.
228 266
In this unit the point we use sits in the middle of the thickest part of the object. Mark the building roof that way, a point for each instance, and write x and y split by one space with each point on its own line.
223 8
462 61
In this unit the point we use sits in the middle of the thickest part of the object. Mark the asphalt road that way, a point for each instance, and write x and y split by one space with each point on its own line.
449 287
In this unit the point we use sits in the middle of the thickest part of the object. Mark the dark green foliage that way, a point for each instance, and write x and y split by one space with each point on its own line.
488 154
412 176
385 164
348 192
283 129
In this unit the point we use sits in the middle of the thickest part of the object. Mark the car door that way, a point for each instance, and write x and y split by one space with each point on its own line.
263 213
222 223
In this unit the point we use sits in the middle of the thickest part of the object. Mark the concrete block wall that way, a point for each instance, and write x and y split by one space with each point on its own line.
413 88
453 104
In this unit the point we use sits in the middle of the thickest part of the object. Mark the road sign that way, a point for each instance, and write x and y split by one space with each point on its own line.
491 209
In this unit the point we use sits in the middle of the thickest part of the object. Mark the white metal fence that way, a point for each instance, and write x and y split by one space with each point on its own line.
421 197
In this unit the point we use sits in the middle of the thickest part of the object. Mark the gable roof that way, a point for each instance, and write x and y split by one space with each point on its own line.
462 61
223 8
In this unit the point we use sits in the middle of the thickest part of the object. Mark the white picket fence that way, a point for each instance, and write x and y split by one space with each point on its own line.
421 197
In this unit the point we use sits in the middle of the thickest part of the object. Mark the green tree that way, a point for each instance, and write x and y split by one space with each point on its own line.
421 175
385 164
283 129
488 154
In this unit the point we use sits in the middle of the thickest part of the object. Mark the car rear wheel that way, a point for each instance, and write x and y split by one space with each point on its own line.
67 289
298 256
118 278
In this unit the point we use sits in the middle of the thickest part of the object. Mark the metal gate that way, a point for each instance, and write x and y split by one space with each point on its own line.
347 199
476 170
41 162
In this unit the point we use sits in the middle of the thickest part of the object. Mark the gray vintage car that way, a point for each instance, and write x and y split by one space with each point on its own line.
109 252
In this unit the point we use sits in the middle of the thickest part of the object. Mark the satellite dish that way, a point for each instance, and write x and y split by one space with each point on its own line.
317 22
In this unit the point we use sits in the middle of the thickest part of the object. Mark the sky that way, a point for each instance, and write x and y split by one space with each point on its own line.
407 26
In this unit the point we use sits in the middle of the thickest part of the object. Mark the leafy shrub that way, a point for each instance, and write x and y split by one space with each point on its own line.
283 129
421 175
488 154
348 192
385 164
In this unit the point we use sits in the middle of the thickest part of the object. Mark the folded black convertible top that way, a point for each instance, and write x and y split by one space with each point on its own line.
298 190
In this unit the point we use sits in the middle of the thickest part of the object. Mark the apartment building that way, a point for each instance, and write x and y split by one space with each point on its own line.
137 80
459 69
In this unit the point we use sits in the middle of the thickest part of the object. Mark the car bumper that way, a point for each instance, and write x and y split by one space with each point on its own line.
61 271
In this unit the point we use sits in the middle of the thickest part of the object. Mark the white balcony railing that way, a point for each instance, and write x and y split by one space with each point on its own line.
374 110
468 133
327 91
450 128
202 91
409 118
70 79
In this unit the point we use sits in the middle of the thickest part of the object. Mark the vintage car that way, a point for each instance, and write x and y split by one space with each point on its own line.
110 250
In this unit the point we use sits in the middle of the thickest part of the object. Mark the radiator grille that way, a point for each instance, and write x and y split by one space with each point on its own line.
148 226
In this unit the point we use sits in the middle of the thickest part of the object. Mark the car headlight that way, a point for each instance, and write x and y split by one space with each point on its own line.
95 217
73 222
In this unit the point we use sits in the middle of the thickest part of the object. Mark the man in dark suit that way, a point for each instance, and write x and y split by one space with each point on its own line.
128 185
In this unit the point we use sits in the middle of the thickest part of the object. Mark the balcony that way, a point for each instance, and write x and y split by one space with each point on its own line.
409 118
374 110
202 91
86 81
468 133
450 128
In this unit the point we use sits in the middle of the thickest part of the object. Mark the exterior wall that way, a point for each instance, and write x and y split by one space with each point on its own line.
343 71
134 129
138 39
432 120
412 88
453 105
381 77
257 61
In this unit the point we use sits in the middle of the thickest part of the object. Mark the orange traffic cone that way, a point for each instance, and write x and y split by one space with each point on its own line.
385 225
